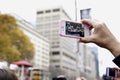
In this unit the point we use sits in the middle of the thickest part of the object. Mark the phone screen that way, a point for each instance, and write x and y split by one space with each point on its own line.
74 29
111 72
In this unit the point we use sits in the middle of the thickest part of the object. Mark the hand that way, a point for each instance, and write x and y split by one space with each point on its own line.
101 36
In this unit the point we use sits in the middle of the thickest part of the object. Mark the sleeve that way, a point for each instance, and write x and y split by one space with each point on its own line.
117 61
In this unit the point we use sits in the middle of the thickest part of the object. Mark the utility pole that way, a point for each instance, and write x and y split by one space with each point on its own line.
75 10
77 45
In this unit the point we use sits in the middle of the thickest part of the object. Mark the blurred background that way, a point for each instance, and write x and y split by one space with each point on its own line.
64 54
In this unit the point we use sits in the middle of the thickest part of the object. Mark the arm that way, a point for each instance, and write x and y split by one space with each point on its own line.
102 37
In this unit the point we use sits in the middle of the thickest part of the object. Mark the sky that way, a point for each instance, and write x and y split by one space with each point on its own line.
104 10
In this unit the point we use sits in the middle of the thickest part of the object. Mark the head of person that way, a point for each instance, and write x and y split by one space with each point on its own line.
7 75
61 77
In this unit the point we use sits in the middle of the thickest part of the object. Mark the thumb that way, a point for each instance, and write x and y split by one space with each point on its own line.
85 39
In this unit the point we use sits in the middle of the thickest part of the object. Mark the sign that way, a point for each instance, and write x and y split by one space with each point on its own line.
85 13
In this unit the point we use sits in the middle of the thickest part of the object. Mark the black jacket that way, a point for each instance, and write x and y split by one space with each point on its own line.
117 61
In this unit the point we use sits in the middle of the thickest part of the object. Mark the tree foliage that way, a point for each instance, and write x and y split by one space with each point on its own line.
14 44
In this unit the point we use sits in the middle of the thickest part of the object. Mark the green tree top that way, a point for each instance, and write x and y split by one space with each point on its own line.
15 45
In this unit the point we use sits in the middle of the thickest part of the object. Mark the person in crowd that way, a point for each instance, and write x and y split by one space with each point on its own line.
7 75
14 68
61 77
26 75
102 37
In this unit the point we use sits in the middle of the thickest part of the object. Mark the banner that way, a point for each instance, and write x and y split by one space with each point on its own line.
85 13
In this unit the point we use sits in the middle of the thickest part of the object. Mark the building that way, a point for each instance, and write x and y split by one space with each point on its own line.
90 64
41 44
95 53
87 62
62 53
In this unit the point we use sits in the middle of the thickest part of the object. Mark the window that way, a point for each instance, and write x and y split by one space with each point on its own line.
47 11
56 10
55 61
55 46
40 12
55 53
57 66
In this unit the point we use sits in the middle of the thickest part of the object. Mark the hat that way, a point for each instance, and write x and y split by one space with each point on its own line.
13 67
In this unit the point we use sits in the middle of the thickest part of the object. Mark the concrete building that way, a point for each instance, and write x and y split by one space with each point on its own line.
41 44
62 53
80 58
90 64
87 63
95 53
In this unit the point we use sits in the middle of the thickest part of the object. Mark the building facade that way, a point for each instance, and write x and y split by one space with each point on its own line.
88 62
41 59
95 53
62 53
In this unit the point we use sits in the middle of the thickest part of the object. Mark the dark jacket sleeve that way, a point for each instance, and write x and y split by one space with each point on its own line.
117 61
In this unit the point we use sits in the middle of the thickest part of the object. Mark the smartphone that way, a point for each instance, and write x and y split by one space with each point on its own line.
73 29
111 72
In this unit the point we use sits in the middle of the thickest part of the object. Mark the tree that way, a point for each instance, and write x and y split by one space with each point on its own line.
14 44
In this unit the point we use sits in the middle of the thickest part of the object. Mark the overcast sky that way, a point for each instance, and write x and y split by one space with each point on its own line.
105 10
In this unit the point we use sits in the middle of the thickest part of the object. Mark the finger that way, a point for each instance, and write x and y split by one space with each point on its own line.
87 22
85 40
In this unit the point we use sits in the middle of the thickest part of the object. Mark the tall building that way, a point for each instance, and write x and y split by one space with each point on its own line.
90 64
95 53
41 44
62 53
88 68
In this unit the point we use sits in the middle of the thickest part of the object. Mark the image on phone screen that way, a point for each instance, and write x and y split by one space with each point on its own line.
111 72
74 29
